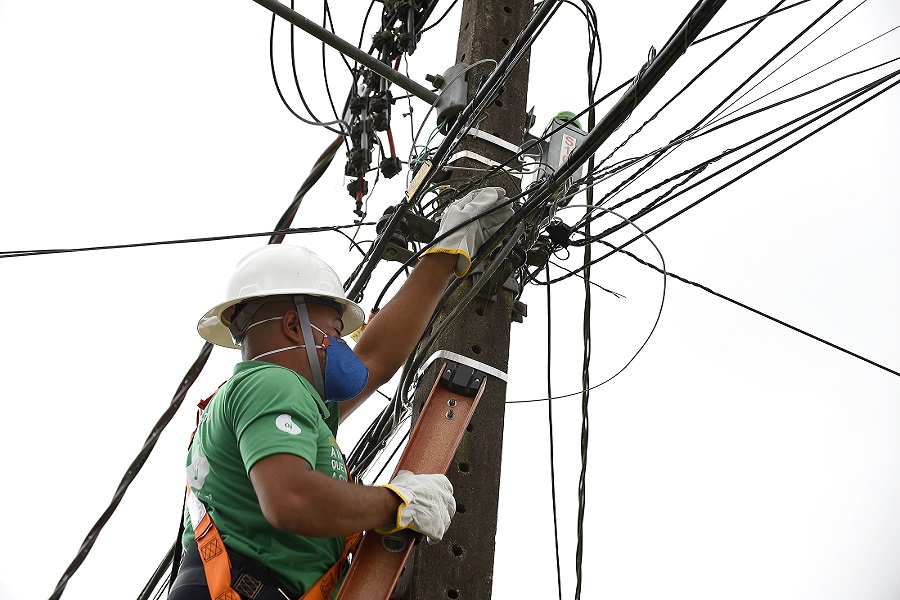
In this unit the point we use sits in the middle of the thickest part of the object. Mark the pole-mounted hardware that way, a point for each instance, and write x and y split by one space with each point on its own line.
416 89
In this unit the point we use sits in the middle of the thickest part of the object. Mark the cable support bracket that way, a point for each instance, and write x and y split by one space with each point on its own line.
462 360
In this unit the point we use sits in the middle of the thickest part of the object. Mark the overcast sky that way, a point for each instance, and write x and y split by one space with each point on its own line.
734 458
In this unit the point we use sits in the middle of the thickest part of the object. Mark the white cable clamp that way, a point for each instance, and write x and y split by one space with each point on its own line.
488 137
474 156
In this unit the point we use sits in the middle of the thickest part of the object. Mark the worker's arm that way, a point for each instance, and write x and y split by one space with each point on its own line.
298 499
295 498
393 333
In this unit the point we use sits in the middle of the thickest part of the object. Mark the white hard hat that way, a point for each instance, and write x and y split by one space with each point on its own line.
277 270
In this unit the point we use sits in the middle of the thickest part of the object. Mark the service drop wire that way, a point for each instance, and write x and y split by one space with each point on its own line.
619 247
663 152
755 311
646 80
550 433
834 106
836 103
217 238
657 154
814 40
798 78
771 59
694 170
625 83
134 468
316 122
662 270
699 125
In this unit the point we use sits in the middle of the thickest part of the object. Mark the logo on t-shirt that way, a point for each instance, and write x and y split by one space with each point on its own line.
284 423
198 470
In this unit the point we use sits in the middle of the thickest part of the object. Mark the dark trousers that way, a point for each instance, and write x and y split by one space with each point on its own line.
248 579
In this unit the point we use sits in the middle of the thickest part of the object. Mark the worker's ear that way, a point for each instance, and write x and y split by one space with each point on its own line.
290 325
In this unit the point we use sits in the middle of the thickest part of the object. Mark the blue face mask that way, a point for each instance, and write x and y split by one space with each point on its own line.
345 374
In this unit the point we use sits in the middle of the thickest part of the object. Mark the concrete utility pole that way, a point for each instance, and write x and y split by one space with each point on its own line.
462 565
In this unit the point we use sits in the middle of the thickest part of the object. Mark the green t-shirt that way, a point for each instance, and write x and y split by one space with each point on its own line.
264 409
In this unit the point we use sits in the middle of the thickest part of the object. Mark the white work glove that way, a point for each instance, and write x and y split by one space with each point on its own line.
427 504
468 239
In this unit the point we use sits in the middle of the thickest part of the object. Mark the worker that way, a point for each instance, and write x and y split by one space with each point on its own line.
267 482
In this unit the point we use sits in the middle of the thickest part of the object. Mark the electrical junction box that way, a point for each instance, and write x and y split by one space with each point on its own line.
453 97
556 149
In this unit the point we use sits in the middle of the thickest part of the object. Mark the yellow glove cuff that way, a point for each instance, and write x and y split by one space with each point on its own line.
461 253
396 525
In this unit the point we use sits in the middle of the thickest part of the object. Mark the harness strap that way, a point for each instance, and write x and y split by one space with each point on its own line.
216 564
323 588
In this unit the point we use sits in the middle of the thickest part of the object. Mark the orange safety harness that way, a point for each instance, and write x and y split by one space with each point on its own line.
217 565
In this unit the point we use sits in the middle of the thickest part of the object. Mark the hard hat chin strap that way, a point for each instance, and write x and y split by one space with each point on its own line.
312 353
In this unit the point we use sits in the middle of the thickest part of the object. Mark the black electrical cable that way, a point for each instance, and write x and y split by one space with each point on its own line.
823 65
522 42
391 457
756 311
441 18
688 132
834 106
327 14
748 22
585 370
668 102
325 68
580 276
713 128
135 467
646 80
776 69
750 170
319 168
590 17
701 166
767 63
160 575
699 127
281 232
550 435
281 95
643 345
293 68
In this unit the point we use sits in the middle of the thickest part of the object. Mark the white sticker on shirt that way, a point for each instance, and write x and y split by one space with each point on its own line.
284 423
197 471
